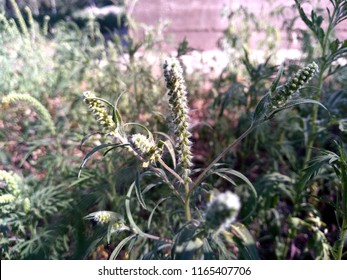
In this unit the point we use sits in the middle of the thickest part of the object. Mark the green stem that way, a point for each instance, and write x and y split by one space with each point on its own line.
186 186
187 208
344 209
313 130
171 186
342 239
173 172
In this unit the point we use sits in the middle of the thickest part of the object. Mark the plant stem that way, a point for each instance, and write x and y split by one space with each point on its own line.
313 130
173 172
343 231
342 239
186 186
171 186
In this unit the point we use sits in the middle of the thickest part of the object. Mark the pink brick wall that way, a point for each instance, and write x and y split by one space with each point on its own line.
200 21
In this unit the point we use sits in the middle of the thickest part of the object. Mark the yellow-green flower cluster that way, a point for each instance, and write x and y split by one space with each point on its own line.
11 181
179 106
145 146
283 93
13 191
6 198
102 217
119 227
26 205
100 112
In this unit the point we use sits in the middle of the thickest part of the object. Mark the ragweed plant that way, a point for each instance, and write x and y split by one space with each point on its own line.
203 226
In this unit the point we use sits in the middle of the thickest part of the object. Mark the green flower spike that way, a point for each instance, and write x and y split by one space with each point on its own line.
281 96
100 112
179 107
146 147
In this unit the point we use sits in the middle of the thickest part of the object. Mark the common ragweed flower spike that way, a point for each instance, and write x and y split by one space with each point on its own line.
36 104
179 106
146 147
26 205
281 96
100 113
222 211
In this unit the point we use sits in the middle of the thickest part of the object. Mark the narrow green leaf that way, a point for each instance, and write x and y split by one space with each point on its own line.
277 79
152 212
296 102
261 109
86 137
87 157
208 251
245 241
150 186
120 246
138 191
133 225
143 127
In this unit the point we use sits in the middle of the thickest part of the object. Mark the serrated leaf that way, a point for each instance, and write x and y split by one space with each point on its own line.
120 246
303 15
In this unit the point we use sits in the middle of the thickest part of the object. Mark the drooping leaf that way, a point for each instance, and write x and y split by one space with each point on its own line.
295 102
139 192
277 79
153 211
120 246
93 151
245 241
